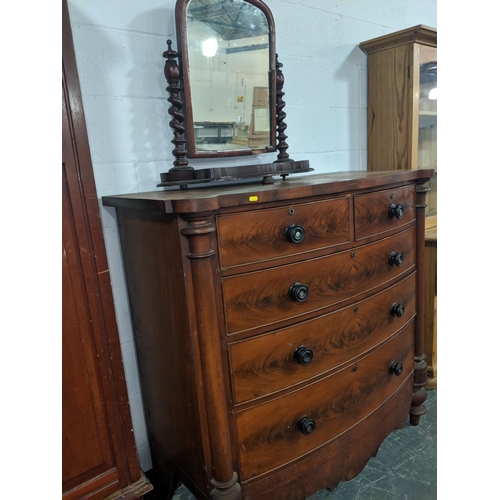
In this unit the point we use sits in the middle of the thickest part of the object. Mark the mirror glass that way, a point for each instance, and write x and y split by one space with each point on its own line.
228 65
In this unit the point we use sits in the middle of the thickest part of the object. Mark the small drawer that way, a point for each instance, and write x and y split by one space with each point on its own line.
268 363
265 297
279 431
276 232
382 211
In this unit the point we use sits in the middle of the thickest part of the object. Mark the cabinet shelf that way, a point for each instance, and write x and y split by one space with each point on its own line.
427 119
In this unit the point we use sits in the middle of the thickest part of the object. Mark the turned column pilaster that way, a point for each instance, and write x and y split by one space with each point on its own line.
198 231
420 365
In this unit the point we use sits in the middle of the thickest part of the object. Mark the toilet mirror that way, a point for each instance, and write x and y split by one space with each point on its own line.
225 87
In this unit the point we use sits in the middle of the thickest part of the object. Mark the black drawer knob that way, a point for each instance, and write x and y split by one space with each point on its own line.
398 310
396 258
306 425
396 368
303 355
295 233
299 292
396 211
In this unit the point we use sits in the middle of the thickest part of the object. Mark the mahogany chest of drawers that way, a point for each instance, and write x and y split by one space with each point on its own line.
278 327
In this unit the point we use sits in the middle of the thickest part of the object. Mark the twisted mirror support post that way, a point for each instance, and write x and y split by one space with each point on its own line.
181 169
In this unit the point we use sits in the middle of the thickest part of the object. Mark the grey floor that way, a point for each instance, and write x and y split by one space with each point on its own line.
405 467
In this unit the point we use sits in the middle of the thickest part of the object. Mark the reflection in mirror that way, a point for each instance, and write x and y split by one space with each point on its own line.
261 121
229 67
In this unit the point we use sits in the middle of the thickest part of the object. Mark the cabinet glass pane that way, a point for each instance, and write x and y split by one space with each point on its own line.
427 129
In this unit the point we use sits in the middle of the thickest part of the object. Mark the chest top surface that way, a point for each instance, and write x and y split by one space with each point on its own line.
212 198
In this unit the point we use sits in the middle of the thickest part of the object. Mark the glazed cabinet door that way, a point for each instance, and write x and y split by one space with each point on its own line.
427 120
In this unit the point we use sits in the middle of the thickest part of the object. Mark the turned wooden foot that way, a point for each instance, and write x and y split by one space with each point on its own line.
230 490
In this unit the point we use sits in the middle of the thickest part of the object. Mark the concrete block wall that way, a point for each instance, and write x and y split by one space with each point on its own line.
119 46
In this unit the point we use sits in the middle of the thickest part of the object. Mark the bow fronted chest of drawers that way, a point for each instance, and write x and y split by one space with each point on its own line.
278 327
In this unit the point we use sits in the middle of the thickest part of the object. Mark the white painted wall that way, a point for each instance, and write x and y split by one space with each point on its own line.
119 46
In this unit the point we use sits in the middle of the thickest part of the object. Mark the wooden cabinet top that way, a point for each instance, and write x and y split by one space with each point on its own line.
211 198
424 35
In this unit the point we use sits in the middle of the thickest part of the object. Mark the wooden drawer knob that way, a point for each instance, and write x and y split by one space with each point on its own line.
396 211
299 292
303 355
295 233
396 368
396 258
398 310
306 425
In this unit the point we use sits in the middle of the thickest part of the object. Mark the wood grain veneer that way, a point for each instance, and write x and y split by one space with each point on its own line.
263 298
393 95
260 235
268 434
265 364
217 329
338 460
370 211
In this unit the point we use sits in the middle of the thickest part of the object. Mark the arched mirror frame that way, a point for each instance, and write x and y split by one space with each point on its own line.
182 44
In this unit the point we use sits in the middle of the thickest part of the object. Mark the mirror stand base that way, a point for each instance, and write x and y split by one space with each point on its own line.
266 171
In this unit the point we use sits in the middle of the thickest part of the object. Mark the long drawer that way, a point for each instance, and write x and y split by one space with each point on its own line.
265 234
265 297
277 360
279 431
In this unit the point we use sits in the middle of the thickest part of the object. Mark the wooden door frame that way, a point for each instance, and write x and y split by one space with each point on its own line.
88 227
